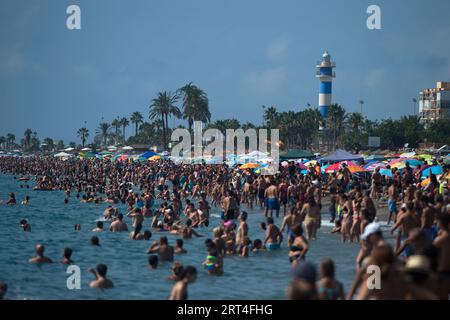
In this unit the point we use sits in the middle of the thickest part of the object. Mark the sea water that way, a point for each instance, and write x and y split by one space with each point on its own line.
264 275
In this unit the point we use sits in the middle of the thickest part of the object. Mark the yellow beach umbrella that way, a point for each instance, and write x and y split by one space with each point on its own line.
249 166
154 158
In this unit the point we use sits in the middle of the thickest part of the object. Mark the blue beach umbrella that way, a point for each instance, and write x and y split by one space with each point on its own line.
434 170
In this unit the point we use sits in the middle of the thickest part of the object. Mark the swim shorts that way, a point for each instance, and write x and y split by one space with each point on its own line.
392 206
272 246
273 204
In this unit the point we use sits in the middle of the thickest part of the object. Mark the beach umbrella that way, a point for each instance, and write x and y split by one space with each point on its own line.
302 166
386 172
62 154
407 155
373 165
424 156
148 154
434 170
86 149
128 148
425 182
311 162
154 158
336 166
69 149
356 168
249 166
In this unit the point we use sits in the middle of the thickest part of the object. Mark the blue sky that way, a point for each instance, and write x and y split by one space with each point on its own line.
243 53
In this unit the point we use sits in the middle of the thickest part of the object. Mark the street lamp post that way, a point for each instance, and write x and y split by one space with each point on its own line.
414 105
361 102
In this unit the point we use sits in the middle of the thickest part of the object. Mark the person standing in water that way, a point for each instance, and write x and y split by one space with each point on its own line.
328 287
180 289
101 281
273 236
40 258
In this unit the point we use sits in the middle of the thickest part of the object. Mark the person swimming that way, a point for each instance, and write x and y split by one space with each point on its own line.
40 258
101 281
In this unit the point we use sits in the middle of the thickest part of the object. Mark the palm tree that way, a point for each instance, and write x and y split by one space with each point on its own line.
10 140
270 116
136 119
116 124
83 134
195 104
103 131
49 144
164 106
124 123
2 141
355 121
336 118
27 138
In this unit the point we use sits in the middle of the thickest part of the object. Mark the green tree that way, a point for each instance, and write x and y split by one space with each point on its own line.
10 140
83 134
72 144
195 105
103 132
124 123
60 145
116 124
335 122
136 119
27 139
2 141
163 106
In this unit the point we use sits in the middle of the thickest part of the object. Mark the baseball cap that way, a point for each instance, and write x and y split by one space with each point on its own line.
370 229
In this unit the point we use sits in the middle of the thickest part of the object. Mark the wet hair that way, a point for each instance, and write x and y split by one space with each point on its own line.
244 215
188 271
100 224
269 220
327 268
263 225
95 241
257 243
164 240
102 269
67 253
153 260
147 234
179 243
120 216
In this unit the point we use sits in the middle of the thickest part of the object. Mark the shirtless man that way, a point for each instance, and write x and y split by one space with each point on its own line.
392 202
118 225
292 220
273 236
67 254
229 206
101 281
376 183
242 232
99 227
442 243
271 195
164 251
408 221
136 216
40 258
